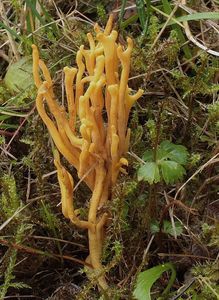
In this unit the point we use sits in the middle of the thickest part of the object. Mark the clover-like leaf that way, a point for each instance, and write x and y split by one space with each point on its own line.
149 172
171 171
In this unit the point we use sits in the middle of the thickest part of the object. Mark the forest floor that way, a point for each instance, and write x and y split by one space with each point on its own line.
164 228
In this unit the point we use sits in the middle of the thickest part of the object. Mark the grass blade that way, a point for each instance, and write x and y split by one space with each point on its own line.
141 12
32 6
122 12
198 17
11 31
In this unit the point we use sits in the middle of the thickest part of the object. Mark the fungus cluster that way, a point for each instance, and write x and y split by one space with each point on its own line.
91 133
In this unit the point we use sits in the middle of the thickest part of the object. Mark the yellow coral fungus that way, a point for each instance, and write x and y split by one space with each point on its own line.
97 147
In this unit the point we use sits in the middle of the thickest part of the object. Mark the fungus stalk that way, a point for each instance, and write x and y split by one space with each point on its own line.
97 147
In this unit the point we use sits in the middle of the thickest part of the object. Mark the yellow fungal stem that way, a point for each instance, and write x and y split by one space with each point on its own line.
36 75
79 85
109 47
91 133
97 192
84 158
46 73
124 57
113 90
66 186
109 25
54 133
70 74
61 120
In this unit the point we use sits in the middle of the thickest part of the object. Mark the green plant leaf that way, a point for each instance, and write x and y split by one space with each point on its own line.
148 155
12 32
168 228
149 172
7 113
170 159
146 279
19 75
154 226
122 12
197 17
8 126
171 171
177 153
141 12
32 6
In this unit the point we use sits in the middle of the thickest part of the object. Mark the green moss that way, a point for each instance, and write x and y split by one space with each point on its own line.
101 12
213 111
199 81
9 200
11 257
49 218
153 29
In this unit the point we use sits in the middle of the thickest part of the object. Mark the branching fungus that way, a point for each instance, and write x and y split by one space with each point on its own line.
99 100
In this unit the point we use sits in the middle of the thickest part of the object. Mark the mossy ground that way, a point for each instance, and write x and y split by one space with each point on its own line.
42 254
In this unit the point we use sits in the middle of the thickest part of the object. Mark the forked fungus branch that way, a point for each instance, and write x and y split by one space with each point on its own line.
96 148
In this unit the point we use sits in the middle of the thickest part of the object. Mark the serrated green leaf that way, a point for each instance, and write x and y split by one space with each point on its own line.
171 171
146 279
168 228
149 172
170 159
179 154
168 150
174 152
148 155
154 227
166 145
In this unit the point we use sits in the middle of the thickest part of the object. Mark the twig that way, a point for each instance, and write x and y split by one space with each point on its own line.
4 56
166 23
194 41
56 239
183 289
7 153
11 41
18 129
184 255
210 161
30 250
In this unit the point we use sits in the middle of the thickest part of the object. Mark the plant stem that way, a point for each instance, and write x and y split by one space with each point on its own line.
188 131
158 130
